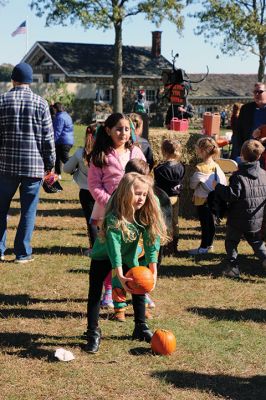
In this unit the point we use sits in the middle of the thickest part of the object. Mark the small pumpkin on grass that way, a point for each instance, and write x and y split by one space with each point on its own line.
143 280
163 342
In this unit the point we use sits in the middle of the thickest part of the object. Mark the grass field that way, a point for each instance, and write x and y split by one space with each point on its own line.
219 323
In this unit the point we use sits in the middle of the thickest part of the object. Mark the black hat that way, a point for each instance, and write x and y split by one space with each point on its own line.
22 73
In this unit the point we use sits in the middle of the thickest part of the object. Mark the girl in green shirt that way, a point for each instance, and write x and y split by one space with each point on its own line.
133 211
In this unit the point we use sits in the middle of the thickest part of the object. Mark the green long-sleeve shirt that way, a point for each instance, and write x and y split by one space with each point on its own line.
120 251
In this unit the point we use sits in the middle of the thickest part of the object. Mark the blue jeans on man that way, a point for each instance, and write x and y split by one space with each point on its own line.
29 189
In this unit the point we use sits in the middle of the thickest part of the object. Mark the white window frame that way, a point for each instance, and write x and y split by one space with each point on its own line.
53 78
103 95
37 78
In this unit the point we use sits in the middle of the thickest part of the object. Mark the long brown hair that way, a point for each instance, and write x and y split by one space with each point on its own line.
103 142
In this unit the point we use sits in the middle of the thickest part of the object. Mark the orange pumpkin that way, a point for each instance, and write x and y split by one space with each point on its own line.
143 280
163 342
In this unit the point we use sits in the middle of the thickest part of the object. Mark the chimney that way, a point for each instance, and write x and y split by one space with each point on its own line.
156 44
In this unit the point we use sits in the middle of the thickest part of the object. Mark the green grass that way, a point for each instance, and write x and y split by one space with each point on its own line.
219 323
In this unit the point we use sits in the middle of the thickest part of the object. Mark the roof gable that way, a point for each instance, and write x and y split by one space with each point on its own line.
81 59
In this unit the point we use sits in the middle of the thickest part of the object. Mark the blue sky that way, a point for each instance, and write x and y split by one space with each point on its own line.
194 54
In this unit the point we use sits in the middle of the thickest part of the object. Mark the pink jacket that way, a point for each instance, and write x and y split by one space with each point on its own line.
103 181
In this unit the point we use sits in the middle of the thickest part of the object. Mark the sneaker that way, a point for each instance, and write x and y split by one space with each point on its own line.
2 257
232 272
148 314
200 250
119 315
24 260
107 301
60 177
149 302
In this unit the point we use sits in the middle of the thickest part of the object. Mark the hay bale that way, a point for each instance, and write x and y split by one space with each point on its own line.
188 141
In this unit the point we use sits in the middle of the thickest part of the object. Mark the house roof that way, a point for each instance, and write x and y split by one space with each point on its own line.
223 85
81 59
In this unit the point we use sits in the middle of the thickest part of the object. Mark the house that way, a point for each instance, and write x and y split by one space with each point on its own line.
88 71
93 64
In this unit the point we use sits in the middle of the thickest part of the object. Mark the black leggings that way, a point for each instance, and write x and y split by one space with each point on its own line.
87 202
62 155
98 272
207 225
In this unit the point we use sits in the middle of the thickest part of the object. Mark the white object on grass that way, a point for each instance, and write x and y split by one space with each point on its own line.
64 355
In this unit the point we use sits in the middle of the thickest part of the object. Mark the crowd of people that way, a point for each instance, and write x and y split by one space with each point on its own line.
131 207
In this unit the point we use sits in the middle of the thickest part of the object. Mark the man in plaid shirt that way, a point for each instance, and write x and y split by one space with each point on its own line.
27 153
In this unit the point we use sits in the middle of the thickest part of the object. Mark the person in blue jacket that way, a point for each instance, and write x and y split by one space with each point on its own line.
63 136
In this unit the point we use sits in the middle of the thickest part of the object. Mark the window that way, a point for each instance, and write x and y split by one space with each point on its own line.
103 95
37 78
150 95
56 78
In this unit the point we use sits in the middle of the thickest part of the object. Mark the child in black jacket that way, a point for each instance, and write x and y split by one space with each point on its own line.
246 197
168 176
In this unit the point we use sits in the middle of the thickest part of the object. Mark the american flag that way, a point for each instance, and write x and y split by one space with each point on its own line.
22 28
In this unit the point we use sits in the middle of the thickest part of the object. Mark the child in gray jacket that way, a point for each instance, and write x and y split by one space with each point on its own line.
246 197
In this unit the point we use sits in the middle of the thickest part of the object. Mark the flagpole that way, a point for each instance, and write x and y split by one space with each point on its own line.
27 30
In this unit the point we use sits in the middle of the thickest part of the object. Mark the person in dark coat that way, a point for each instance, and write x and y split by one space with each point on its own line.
63 136
246 196
252 115
178 111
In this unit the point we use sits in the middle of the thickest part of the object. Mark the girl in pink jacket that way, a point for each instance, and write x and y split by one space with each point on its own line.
112 150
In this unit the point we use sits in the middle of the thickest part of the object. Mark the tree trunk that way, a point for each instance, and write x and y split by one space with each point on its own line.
262 57
117 75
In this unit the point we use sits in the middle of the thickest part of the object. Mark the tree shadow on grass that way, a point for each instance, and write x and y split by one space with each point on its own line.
57 200
184 271
38 314
30 345
61 212
249 314
226 386
249 267
25 299
65 250
79 271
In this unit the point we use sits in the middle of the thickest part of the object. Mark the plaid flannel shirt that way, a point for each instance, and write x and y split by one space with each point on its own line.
26 134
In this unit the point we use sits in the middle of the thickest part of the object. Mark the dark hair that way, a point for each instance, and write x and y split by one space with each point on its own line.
103 142
58 107
172 147
89 141
251 150
137 165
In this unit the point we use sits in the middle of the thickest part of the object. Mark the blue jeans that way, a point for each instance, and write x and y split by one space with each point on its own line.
29 196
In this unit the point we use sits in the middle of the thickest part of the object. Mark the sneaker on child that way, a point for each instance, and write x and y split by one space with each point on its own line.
148 301
119 315
232 272
107 301
200 250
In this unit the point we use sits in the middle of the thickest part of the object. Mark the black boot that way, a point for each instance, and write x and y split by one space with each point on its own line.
142 333
93 340
175 245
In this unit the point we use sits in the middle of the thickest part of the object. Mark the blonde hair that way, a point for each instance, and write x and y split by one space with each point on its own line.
136 120
251 150
171 148
148 216
208 146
